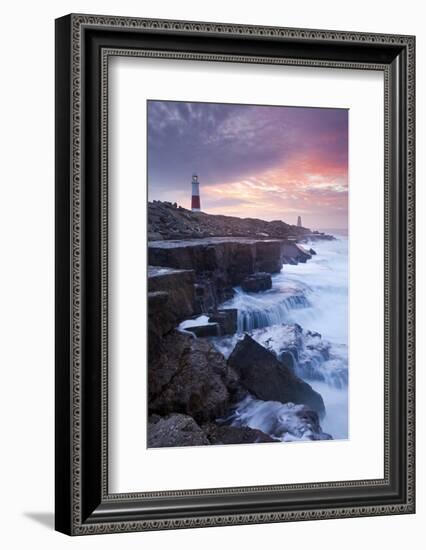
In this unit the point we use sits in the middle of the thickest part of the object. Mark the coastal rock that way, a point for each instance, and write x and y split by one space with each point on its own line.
226 319
160 319
176 430
316 236
228 435
288 359
264 376
190 376
218 263
232 259
294 253
169 221
257 282
204 331
218 266
210 290
306 353
179 287
157 300
269 256
152 236
171 298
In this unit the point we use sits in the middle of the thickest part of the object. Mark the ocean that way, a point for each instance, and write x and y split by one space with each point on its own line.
308 304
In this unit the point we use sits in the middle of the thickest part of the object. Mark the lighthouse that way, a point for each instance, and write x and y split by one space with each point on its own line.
299 221
195 198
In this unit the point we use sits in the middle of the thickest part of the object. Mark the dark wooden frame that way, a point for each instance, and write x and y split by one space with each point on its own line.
83 46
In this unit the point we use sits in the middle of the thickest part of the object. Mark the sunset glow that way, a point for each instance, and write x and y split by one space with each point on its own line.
252 161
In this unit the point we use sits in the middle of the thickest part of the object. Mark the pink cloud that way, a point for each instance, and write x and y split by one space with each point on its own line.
310 186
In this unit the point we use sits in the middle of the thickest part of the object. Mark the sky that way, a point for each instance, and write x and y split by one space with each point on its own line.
267 162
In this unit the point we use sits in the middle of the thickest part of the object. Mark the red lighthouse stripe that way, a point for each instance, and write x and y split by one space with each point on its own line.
195 202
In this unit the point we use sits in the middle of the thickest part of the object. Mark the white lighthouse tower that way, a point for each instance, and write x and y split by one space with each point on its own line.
195 199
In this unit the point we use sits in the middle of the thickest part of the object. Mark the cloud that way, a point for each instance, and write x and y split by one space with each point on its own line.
271 160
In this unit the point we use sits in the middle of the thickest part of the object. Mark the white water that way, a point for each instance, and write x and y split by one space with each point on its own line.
314 295
324 279
198 321
284 422
268 308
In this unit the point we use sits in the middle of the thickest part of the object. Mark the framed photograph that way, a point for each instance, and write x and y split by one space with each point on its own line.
234 274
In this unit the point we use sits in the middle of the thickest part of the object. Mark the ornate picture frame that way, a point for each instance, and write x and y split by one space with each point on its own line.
84 45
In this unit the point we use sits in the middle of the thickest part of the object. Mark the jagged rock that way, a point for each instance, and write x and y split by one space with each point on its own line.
158 299
228 435
312 252
204 331
257 282
218 263
231 259
306 353
189 376
294 253
160 315
170 221
160 319
152 236
171 298
205 295
226 319
269 256
263 375
288 359
179 286
167 221
176 430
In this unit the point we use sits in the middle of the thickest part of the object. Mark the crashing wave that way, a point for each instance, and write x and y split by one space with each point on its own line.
267 308
284 422
311 357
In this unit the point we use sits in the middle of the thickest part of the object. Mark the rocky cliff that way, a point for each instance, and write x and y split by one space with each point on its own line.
269 379
169 221
195 260
193 389
218 263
